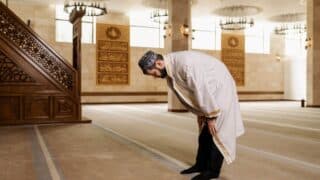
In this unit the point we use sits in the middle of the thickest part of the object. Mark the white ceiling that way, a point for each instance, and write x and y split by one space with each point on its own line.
202 8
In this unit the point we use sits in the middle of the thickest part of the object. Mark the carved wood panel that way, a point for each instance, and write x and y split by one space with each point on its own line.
37 108
64 108
9 109
11 73
112 54
24 39
36 84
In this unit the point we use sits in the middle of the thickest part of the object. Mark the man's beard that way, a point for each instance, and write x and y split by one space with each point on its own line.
163 73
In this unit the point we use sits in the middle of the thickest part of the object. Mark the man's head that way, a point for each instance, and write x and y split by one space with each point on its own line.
152 64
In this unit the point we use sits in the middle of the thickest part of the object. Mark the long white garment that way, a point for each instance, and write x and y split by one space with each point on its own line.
206 88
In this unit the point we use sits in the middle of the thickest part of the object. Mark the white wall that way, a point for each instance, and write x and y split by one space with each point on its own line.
295 82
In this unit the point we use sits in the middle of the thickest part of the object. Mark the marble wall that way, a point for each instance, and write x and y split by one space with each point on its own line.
263 73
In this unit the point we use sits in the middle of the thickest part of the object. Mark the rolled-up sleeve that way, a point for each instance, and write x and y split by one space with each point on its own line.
203 91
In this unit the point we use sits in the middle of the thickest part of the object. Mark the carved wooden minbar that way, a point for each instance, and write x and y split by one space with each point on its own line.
37 85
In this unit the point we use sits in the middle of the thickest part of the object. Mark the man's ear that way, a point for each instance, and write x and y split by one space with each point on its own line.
159 63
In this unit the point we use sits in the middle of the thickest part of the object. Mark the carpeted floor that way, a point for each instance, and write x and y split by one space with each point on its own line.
77 152
282 140
146 142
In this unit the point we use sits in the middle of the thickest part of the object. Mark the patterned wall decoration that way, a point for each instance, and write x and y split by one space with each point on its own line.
233 55
36 84
14 30
11 73
112 54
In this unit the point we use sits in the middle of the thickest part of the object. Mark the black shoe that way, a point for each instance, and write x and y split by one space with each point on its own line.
192 169
206 175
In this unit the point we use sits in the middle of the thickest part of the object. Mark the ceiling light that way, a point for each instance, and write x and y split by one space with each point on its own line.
92 8
160 16
237 17
290 24
236 23
160 13
290 29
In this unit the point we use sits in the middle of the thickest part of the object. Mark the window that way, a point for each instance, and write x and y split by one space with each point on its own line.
64 27
294 45
202 39
144 32
258 39
206 35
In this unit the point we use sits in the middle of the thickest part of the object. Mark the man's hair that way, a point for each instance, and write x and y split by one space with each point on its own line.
159 57
147 61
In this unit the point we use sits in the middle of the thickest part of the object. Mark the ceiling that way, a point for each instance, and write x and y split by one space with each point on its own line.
202 8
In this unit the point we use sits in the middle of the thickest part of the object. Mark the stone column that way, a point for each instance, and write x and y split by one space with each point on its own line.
313 53
179 15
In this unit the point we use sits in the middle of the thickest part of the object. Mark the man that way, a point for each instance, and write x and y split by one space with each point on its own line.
204 85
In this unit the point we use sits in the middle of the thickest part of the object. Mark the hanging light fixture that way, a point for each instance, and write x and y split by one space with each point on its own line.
92 8
236 23
160 14
292 29
237 17
290 24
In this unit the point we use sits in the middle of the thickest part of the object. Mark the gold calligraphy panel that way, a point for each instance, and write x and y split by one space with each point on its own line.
112 67
112 54
105 45
104 78
233 55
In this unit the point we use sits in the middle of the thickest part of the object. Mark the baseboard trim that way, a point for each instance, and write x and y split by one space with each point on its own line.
131 102
291 100
178 110
256 100
83 121
313 106
124 93
260 92
161 102
165 93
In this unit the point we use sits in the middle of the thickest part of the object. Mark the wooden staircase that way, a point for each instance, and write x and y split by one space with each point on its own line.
37 85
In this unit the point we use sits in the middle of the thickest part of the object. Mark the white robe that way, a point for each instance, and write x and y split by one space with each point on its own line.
205 86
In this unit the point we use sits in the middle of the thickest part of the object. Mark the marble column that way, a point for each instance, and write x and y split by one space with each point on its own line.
313 53
179 15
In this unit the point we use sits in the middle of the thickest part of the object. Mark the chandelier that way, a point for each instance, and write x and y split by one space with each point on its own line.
292 29
160 16
236 23
92 8
237 17
290 24
160 12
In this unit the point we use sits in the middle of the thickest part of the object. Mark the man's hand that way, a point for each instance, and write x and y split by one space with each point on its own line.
212 126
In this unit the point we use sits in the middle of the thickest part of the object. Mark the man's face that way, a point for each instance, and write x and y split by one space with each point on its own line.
155 72
158 71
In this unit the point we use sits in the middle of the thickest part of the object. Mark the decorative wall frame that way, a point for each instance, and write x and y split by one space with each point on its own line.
233 56
112 54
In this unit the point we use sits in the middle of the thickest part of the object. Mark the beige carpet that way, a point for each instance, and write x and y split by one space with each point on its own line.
282 140
76 152
145 142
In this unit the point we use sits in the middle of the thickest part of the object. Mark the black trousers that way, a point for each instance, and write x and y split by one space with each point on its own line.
209 158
